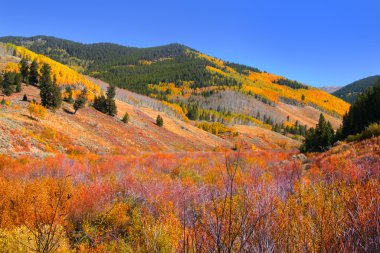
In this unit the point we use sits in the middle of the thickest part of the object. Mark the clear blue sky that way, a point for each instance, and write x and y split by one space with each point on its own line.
319 42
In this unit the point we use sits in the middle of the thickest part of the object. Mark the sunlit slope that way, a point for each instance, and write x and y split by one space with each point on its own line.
264 84
184 78
63 74
90 131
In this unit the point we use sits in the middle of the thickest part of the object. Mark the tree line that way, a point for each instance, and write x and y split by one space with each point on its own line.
361 116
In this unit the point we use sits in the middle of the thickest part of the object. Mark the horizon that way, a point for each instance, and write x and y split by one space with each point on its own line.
319 44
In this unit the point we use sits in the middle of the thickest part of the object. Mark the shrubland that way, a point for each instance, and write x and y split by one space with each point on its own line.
194 202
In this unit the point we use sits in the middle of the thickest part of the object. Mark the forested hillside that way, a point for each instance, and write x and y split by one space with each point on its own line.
351 91
197 162
64 76
202 87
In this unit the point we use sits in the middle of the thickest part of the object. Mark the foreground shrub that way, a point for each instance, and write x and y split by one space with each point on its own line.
36 110
372 130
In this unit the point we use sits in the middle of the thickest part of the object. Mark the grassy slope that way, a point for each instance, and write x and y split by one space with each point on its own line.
90 131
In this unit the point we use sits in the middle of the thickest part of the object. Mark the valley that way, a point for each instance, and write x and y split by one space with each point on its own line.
107 148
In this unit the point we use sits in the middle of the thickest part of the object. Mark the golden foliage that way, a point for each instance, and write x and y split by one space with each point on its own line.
36 110
64 75
12 67
262 83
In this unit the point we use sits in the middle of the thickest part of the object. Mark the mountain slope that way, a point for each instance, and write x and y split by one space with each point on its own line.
330 89
10 55
89 131
190 79
350 92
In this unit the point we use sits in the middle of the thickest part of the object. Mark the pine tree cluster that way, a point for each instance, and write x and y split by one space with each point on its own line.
320 138
107 104
10 82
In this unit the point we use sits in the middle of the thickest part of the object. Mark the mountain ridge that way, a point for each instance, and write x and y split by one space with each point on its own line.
199 85
350 92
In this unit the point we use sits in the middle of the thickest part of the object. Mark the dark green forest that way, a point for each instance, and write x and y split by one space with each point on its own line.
130 67
350 92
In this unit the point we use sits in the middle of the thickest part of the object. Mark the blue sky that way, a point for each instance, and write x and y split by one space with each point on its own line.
318 42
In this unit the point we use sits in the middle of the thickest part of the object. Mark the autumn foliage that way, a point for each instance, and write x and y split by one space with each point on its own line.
195 202
63 74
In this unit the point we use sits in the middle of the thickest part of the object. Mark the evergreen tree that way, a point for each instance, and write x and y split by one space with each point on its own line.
46 86
193 112
80 102
24 70
106 104
10 80
365 111
57 95
17 82
320 138
100 104
111 105
159 121
33 73
50 92
125 118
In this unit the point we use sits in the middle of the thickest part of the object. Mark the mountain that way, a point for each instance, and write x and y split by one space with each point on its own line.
350 92
91 132
330 89
201 86
212 178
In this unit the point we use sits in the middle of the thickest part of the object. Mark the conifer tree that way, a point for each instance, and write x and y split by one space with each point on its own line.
56 96
80 102
100 104
320 138
8 83
111 105
106 104
17 82
125 118
24 70
46 86
33 73
159 121
365 111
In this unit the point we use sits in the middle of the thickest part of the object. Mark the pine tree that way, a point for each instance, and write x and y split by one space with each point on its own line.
365 111
80 102
320 138
33 73
17 82
125 118
159 121
46 86
50 92
24 70
193 112
100 104
57 95
8 83
111 105
106 104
